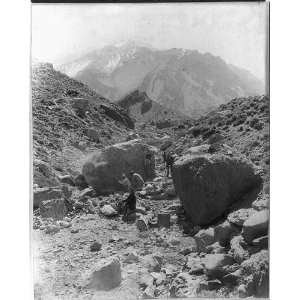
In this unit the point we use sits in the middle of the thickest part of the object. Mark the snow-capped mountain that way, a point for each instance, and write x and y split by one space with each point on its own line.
180 79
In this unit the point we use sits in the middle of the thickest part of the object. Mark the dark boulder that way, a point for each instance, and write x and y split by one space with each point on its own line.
209 184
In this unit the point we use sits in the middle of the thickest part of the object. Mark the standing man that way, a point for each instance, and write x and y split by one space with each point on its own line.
130 201
169 163
148 164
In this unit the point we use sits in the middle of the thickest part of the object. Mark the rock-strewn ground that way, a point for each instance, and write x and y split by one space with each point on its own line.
226 259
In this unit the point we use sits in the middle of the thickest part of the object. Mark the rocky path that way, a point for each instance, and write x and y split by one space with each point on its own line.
63 260
226 259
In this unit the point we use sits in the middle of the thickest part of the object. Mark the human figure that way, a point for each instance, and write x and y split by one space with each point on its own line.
148 163
129 204
165 158
169 163
125 182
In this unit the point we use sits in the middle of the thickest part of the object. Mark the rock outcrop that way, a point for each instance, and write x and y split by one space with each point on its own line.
104 169
209 184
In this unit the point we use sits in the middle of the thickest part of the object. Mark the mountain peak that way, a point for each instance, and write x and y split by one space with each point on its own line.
180 79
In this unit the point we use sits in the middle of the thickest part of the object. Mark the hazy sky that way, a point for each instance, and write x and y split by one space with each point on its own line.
236 32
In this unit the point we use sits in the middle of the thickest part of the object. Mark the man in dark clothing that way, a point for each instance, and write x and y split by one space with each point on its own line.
165 158
169 163
130 204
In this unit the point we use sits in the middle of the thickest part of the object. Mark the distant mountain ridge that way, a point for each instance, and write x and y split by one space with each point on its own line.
143 109
179 79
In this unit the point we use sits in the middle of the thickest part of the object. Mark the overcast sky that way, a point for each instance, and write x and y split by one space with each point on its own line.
236 32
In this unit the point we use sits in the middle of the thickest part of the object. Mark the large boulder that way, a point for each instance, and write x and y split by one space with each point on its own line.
256 226
209 184
104 168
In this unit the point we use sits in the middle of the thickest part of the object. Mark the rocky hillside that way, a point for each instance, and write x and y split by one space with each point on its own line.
202 233
68 118
183 80
242 123
142 109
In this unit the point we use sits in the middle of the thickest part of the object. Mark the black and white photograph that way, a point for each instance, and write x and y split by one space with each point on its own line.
150 150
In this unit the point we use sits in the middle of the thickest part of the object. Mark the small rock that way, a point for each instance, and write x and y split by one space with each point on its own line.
80 182
215 248
256 226
187 250
242 291
238 217
108 210
152 262
141 210
255 274
224 233
64 224
78 205
54 208
214 284
261 204
145 279
67 179
232 279
96 246
148 293
52 229
46 193
87 192
142 224
74 230
214 264
159 278
174 241
131 258
170 192
237 250
106 275
174 207
204 238
261 242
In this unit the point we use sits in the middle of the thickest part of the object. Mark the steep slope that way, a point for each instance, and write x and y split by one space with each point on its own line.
141 108
183 80
68 119
243 123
